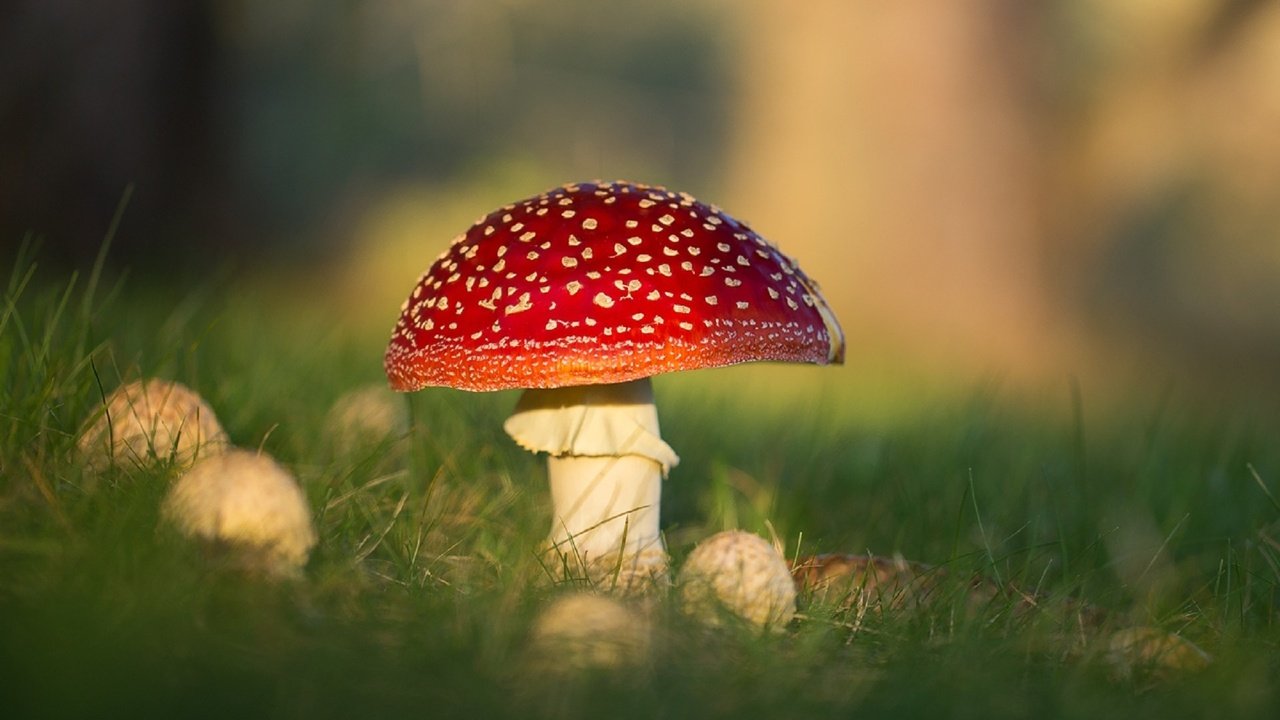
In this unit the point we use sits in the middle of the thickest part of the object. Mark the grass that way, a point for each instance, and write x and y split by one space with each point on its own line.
420 597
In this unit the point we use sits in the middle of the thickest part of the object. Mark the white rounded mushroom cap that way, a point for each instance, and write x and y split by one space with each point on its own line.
1154 652
148 421
741 573
249 502
585 630
366 416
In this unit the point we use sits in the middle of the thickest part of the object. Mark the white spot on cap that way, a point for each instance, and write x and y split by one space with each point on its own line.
569 262
712 300
732 282
743 304
602 300
682 309
589 224
573 286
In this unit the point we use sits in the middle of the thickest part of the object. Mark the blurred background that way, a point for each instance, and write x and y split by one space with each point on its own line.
1069 188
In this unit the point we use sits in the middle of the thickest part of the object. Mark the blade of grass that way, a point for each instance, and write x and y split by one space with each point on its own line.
973 495
1263 486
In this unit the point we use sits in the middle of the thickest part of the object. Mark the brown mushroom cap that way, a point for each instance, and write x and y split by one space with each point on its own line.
605 283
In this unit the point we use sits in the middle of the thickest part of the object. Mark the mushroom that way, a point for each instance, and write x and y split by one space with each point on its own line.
741 573
582 631
1153 653
245 501
151 420
578 296
365 417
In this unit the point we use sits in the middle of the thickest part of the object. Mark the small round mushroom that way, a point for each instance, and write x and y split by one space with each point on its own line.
248 503
1152 652
150 421
365 417
584 630
578 296
741 573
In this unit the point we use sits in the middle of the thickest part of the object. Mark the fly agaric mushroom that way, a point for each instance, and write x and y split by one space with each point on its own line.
577 296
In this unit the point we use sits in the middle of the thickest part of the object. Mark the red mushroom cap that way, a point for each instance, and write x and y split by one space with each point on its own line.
605 283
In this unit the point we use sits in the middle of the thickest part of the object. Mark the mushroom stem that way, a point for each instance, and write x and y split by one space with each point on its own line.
606 465
603 505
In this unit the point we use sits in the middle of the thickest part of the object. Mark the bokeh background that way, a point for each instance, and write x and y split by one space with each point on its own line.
1033 191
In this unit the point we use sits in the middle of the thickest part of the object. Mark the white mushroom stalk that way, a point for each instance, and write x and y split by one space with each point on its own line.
606 463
